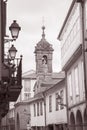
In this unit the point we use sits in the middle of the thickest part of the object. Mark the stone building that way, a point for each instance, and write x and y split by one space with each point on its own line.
8 122
73 39
19 109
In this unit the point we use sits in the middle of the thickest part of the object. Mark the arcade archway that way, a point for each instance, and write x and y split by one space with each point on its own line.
79 122
85 119
72 121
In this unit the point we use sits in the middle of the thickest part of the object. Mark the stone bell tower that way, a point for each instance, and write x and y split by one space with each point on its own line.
43 55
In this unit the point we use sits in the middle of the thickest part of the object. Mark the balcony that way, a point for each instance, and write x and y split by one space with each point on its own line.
11 79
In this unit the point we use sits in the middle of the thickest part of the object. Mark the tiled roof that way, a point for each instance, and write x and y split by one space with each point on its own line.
43 45
29 74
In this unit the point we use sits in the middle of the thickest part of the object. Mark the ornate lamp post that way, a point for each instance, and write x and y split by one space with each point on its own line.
14 28
12 52
59 98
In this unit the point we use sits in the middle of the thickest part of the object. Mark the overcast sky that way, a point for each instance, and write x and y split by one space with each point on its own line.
29 14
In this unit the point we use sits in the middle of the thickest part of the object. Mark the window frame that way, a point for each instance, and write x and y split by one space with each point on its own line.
50 103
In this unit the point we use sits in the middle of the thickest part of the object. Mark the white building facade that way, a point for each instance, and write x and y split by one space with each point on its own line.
73 48
56 115
46 112
28 81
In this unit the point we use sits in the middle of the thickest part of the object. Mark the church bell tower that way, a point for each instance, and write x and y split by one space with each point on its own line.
43 55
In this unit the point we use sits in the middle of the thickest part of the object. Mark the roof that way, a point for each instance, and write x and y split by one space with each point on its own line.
29 74
55 85
46 83
59 75
50 83
43 45
67 17
40 95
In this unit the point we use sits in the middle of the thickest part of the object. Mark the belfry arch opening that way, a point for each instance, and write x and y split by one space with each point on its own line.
44 59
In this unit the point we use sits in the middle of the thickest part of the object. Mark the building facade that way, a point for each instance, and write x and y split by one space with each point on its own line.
22 109
8 122
56 116
22 115
73 48
28 81
19 109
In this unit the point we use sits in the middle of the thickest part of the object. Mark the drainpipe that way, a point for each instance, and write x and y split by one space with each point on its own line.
67 108
44 109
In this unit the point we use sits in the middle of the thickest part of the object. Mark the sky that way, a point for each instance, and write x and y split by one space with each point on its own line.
29 15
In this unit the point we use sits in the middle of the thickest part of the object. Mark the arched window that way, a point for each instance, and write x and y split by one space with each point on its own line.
44 59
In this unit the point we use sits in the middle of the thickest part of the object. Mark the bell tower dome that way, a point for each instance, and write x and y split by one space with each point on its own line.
43 55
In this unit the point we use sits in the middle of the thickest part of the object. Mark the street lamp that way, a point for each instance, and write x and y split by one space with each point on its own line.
12 52
14 28
59 98
59 101
12 65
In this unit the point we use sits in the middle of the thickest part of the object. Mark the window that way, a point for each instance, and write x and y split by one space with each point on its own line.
41 108
70 85
27 96
38 109
34 110
50 103
57 104
27 85
61 100
76 81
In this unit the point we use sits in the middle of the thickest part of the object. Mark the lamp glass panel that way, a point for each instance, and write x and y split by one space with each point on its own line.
14 32
12 54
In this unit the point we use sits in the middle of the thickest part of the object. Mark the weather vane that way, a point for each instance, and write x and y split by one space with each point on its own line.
43 20
43 27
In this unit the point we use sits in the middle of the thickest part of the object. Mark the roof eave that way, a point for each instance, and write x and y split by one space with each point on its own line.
65 21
